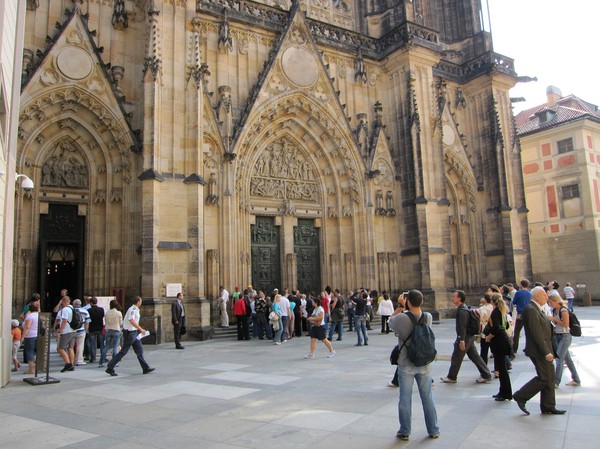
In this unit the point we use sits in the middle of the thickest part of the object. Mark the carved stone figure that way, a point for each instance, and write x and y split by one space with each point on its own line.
225 41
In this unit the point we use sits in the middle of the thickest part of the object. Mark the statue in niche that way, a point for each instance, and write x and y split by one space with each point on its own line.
459 100
213 198
360 72
362 133
65 168
225 41
225 113
120 20
341 4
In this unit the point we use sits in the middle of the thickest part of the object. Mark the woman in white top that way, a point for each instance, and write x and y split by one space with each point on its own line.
317 330
113 320
30 334
385 310
562 340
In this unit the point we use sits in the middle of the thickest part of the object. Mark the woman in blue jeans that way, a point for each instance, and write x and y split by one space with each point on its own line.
113 320
562 340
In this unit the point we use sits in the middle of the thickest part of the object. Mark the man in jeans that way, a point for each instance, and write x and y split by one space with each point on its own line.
464 344
520 301
403 326
360 321
95 335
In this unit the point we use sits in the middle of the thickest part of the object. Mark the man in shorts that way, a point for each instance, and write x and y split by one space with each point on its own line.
66 335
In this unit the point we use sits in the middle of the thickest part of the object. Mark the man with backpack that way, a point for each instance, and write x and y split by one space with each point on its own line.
417 351
70 321
465 343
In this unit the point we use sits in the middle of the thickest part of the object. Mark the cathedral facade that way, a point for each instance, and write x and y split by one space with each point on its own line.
230 142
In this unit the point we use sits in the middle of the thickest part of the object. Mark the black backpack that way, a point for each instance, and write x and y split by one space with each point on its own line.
76 319
574 325
421 350
474 322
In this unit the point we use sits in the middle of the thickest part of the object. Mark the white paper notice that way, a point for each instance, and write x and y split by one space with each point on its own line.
145 334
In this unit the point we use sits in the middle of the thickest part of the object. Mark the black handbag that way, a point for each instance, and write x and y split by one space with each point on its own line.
394 355
183 330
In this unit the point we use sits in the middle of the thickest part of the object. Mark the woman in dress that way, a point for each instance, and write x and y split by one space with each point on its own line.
562 340
317 330
30 334
500 345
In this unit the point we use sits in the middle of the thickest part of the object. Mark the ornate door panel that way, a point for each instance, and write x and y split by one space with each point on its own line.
266 268
306 246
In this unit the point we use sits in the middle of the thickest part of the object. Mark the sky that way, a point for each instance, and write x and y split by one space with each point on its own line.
556 41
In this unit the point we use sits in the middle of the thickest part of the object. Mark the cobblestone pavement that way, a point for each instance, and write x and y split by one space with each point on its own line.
253 394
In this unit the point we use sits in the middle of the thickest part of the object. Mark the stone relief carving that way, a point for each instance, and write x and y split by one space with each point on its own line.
282 171
459 101
65 168
225 114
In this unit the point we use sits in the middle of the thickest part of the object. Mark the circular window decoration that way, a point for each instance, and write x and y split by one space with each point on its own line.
74 63
300 66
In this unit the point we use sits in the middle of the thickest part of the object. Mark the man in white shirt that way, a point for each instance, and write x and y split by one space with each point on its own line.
223 299
66 335
131 330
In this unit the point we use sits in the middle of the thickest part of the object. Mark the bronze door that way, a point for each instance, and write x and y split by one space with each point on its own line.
266 267
306 246
62 233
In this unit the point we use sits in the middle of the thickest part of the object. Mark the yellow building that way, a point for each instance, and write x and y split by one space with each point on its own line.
560 144
191 144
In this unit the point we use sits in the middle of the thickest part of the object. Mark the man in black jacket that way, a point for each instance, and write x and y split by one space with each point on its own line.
178 319
538 347
95 335
464 344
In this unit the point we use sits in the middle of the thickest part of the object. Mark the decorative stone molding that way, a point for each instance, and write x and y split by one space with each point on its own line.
100 196
153 61
225 42
116 195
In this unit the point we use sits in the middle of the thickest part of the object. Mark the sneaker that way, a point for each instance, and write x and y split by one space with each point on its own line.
447 380
574 384
100 366
80 364
111 372
392 384
148 371
434 436
331 355
483 380
276 342
68 367
401 436
309 356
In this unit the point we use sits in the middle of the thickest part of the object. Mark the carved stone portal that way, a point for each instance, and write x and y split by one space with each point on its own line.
65 167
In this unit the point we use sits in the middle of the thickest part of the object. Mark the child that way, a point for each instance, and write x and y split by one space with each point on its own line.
16 339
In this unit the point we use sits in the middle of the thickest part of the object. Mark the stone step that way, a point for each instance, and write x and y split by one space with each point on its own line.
230 333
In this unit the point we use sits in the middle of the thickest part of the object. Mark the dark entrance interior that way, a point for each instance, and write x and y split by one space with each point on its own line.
306 246
266 267
61 254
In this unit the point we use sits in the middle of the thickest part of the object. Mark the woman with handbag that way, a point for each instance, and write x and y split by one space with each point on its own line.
317 331
495 335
